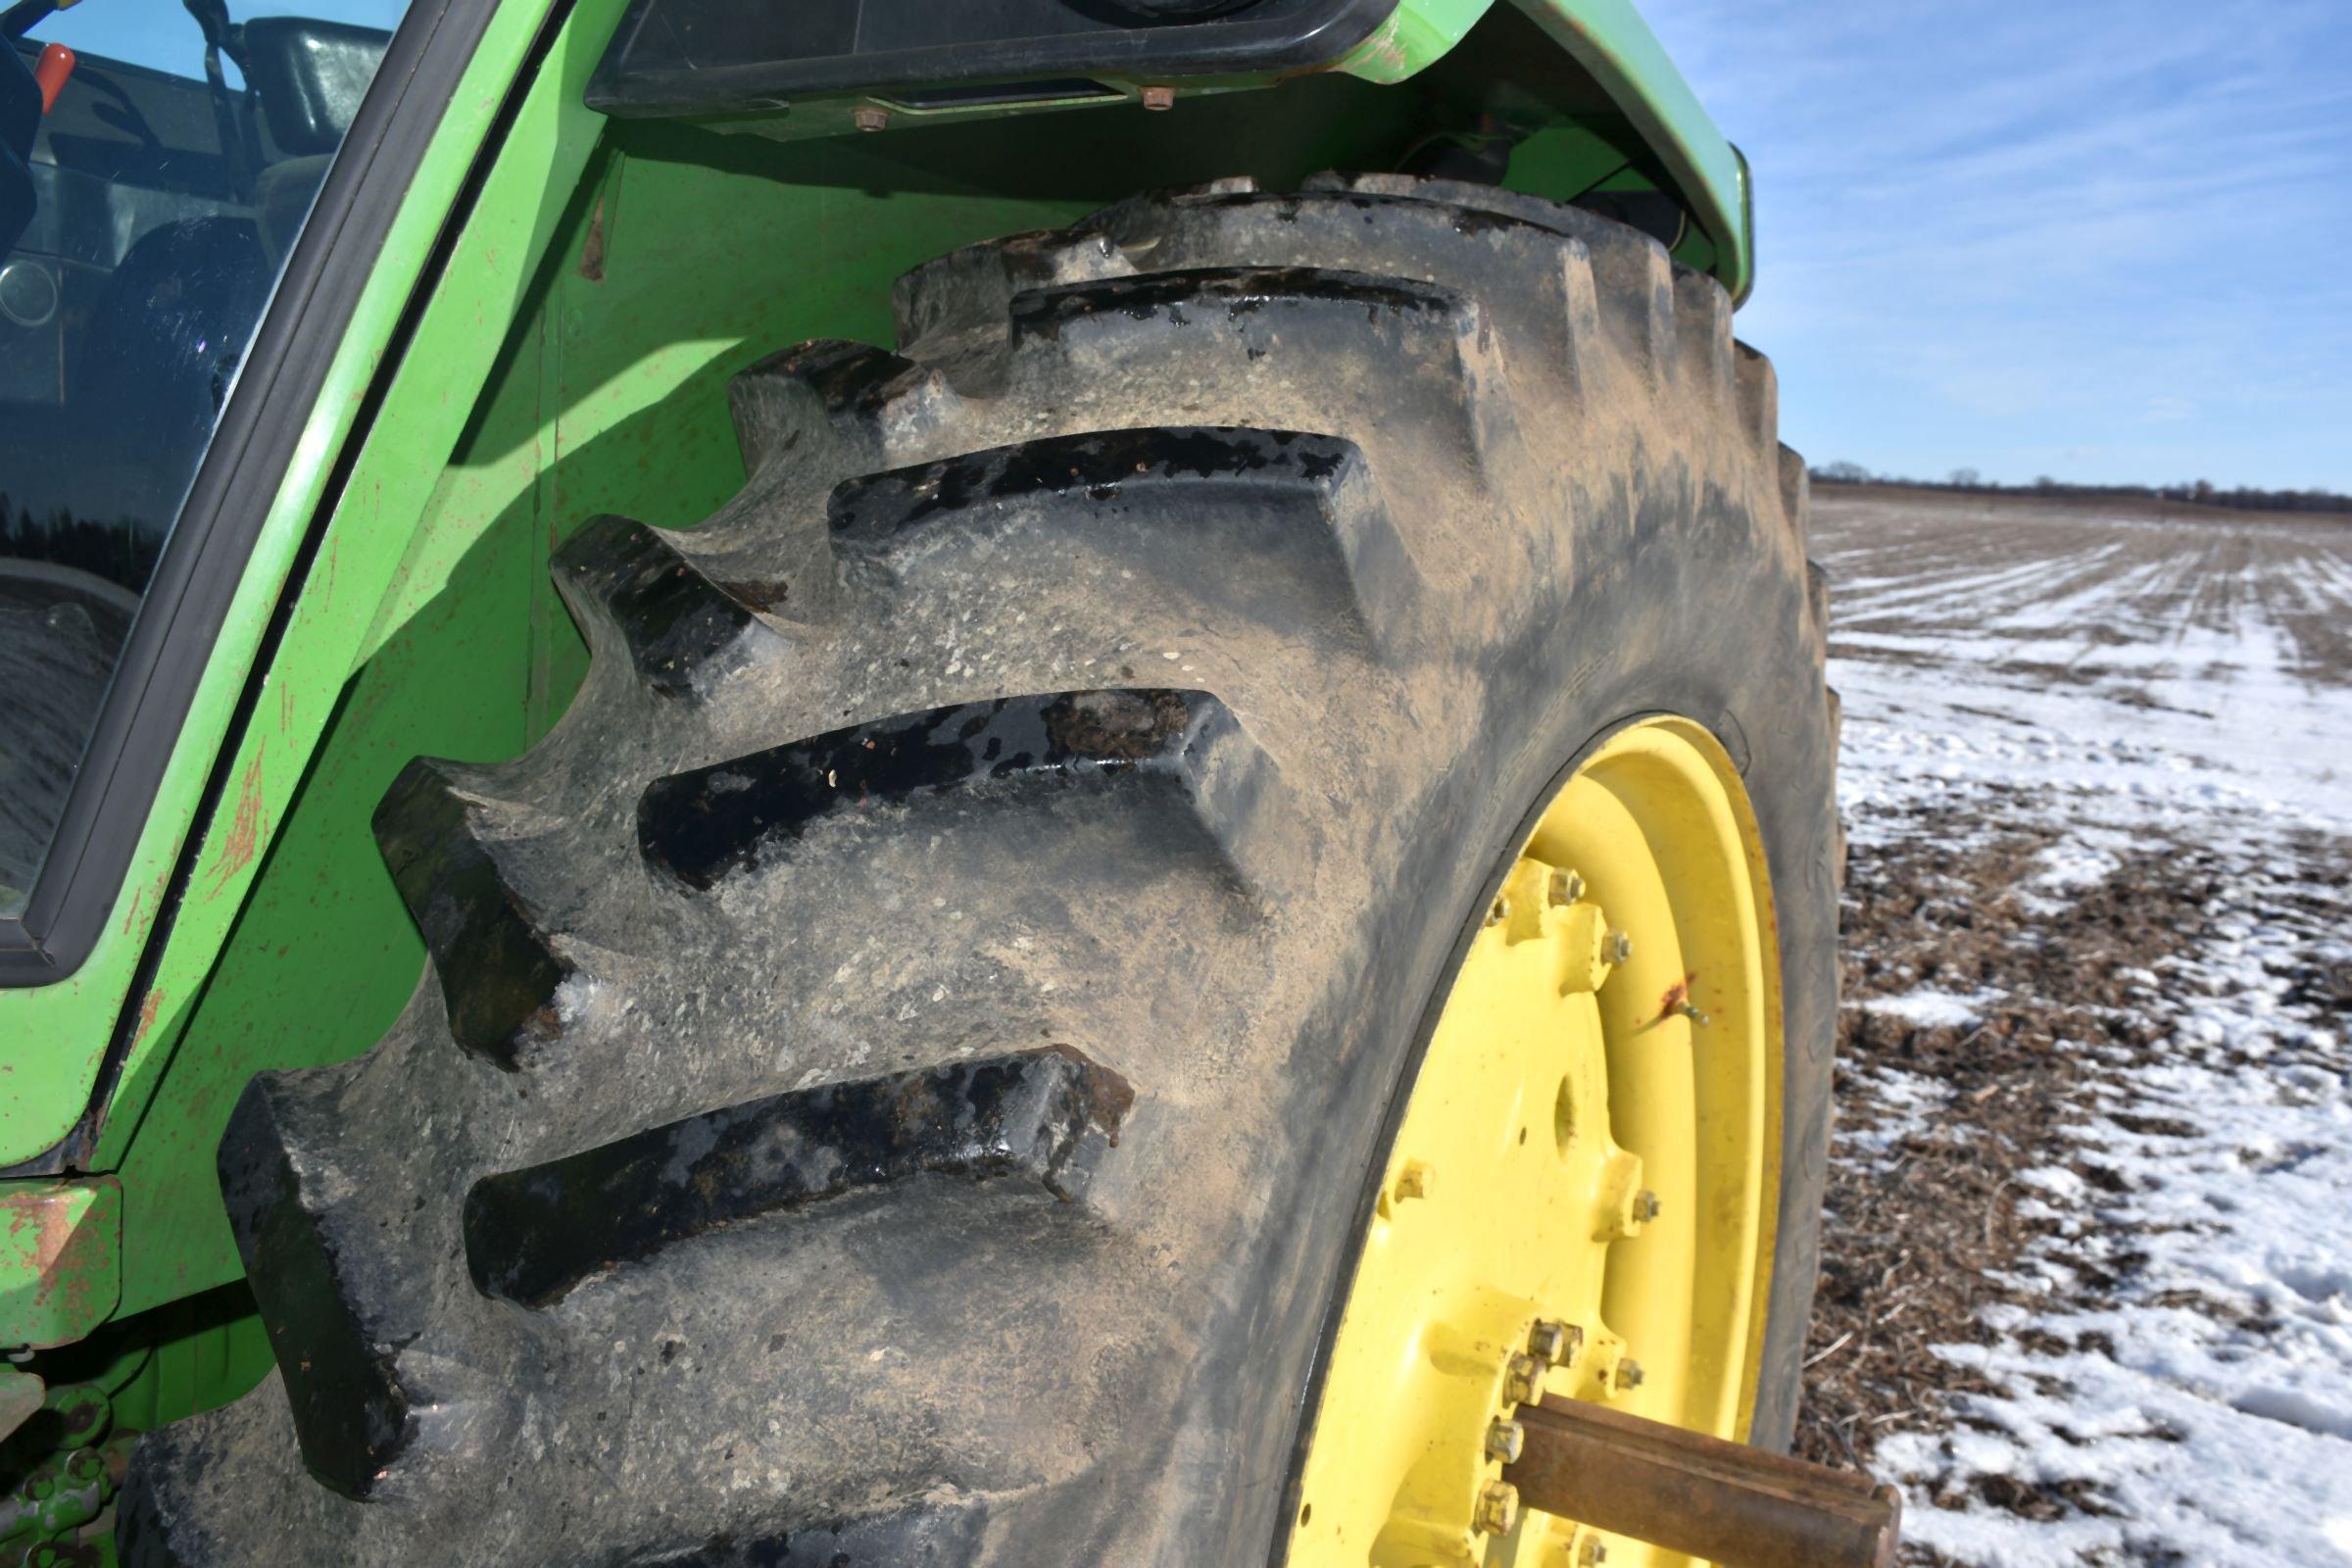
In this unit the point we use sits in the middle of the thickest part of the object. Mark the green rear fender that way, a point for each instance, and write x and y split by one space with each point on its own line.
1613 44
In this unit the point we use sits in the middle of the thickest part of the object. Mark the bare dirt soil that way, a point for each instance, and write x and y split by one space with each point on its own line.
2086 1288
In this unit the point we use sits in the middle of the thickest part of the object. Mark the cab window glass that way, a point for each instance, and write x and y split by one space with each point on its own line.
157 162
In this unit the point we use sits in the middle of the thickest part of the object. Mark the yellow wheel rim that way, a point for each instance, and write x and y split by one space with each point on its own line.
1581 1194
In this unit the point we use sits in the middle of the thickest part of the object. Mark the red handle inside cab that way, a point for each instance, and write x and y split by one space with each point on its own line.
51 71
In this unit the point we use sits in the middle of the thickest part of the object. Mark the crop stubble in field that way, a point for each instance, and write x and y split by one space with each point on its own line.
2088 1272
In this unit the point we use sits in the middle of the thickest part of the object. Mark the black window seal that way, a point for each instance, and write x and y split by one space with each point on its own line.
236 483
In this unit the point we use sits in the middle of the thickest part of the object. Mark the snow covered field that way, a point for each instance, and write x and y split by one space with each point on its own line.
2088 1288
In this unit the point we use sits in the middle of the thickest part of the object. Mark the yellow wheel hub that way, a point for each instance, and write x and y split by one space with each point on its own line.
1580 1198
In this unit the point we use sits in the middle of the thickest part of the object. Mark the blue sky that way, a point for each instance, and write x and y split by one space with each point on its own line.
2098 239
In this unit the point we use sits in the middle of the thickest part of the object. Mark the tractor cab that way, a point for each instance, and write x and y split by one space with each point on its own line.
158 167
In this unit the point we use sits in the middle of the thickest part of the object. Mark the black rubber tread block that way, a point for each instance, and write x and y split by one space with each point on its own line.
1266 503
1527 259
1232 224
1759 396
1838 854
333 1349
1387 226
974 286
1635 287
1600 233
1214 323
1046 1114
828 390
1702 322
1529 267
970 290
498 968
150 1531
1796 495
1528 208
1238 293
1817 607
1418 233
678 625
1184 747
1633 276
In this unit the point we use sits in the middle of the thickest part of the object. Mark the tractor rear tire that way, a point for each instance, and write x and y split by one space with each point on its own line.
905 1063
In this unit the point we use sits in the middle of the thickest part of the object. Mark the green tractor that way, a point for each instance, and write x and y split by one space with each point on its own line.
1188 918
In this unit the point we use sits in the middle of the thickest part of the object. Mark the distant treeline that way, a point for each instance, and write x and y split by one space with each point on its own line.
121 552
2196 492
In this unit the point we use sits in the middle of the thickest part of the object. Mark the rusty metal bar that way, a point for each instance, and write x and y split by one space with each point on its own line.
1736 1506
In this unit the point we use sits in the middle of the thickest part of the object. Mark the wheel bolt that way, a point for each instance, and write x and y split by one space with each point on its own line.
1523 1380
1566 888
1159 98
870 118
1646 1205
1629 1373
1498 1508
1506 1440
1617 946
1594 1550
1554 1342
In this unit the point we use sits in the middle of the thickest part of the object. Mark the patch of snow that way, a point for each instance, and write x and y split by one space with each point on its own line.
2185 1375
1929 1009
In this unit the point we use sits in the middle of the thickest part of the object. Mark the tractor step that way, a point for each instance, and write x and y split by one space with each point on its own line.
1732 1505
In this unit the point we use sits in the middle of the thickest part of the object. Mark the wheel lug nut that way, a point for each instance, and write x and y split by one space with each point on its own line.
1565 889
1498 1508
1646 1205
1629 1373
1554 1342
1617 946
1506 1440
1594 1552
1523 1380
